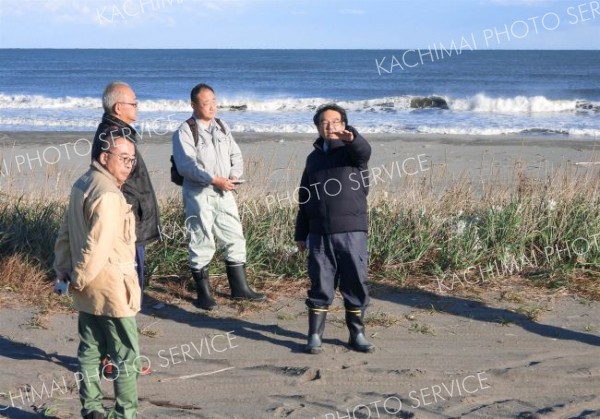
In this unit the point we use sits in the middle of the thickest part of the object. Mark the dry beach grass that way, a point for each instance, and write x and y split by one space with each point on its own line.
543 229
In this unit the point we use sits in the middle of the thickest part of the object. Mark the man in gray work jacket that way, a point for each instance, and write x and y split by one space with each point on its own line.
211 169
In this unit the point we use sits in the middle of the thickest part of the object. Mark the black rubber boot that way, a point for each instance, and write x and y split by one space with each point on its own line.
236 274
316 326
204 301
94 415
358 341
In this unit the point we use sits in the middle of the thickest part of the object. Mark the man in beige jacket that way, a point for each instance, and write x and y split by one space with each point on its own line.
95 254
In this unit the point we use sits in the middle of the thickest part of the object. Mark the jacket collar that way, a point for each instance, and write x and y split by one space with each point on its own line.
113 120
215 123
320 142
97 166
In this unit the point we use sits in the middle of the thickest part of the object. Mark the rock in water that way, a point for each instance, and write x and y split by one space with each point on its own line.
588 106
428 102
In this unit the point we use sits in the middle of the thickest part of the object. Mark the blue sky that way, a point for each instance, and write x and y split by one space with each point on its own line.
368 24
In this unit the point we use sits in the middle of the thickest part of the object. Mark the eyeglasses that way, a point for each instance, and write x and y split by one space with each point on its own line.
336 123
124 159
206 103
135 104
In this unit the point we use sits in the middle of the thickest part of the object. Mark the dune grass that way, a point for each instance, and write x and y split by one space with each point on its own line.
545 230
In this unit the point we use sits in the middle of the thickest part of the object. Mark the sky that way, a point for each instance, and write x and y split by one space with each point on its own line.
292 24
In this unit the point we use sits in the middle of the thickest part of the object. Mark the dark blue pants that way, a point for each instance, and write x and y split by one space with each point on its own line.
140 254
338 260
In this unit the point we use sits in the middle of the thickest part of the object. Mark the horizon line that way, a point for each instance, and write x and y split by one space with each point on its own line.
290 49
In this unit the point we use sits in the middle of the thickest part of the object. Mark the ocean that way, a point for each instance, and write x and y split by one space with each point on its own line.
531 93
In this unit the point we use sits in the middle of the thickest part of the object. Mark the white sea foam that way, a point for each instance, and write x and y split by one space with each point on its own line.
41 123
585 132
477 103
165 126
518 104
43 102
476 115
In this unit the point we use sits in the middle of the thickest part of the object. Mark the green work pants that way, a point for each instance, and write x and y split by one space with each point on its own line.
118 338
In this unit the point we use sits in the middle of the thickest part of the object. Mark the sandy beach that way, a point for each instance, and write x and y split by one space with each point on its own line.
56 159
440 357
470 354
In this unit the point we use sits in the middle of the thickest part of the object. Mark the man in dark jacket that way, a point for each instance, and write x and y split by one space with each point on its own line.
120 111
332 222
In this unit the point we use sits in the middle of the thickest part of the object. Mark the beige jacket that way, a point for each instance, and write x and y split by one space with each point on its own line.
96 246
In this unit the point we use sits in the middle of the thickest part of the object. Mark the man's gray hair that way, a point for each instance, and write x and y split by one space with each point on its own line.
112 95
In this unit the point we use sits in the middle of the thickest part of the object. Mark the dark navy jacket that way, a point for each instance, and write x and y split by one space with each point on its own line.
334 187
